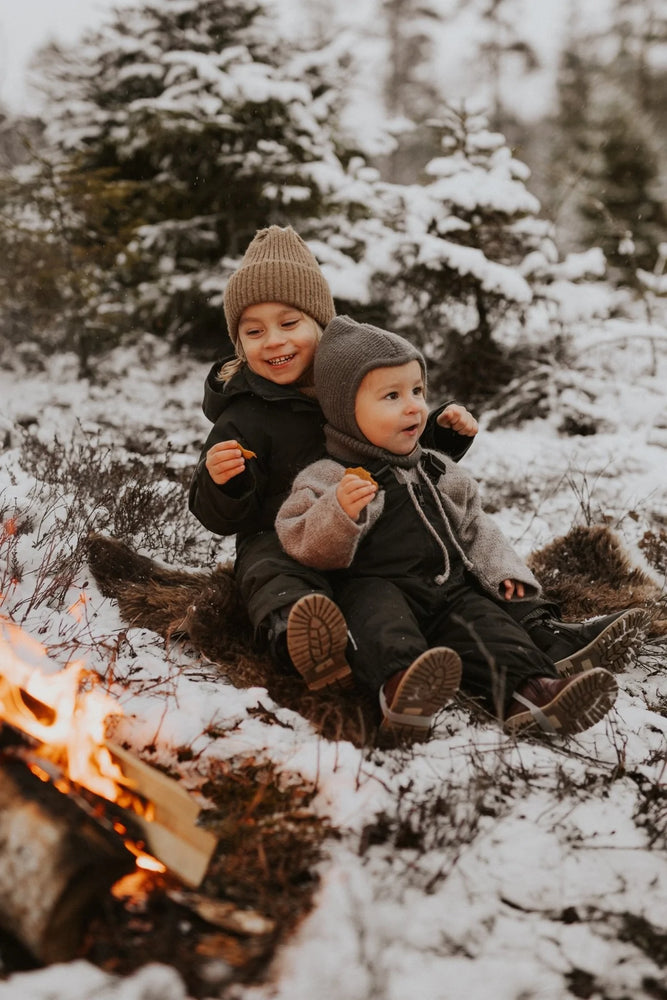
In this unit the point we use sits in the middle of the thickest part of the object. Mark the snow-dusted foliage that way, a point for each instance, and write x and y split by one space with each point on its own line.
183 126
58 287
205 132
462 263
606 169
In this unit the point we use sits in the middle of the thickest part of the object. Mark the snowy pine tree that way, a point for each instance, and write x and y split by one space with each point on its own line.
503 53
624 210
193 130
451 265
57 283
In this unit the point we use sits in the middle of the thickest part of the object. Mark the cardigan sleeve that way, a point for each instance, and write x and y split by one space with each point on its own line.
312 526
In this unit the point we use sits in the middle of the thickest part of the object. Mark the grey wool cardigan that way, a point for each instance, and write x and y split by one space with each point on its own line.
315 530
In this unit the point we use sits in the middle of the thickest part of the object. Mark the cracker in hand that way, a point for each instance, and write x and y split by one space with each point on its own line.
361 473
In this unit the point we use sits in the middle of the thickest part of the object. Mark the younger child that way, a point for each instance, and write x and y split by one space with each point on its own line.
267 426
421 572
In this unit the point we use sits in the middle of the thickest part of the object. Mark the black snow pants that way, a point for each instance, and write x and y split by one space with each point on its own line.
389 631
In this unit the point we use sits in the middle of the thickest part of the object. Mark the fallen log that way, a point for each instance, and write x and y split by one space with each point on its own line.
55 864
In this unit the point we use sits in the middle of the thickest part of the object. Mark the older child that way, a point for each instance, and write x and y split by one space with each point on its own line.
422 571
267 427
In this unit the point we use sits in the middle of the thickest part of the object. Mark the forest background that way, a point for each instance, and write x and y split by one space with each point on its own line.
489 181
443 159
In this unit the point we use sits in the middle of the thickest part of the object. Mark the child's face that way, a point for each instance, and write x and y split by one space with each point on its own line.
278 340
390 408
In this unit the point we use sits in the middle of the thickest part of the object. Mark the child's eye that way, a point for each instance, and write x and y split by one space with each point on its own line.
252 333
418 390
289 323
391 395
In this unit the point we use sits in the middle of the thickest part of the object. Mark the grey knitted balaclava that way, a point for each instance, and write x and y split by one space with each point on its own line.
347 352
278 267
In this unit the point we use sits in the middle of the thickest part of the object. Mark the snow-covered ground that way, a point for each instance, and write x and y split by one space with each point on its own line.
533 870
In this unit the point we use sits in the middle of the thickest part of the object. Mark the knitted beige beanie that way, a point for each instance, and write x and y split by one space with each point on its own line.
278 267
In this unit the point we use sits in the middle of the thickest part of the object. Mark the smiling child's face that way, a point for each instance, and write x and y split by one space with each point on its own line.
278 341
390 407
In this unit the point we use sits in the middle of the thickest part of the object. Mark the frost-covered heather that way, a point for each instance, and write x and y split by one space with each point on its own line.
472 860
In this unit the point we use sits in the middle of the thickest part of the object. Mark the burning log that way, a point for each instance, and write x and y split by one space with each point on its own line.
55 864
170 832
66 841
69 726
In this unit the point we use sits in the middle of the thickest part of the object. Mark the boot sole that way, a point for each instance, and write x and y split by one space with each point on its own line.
428 685
613 649
579 706
317 642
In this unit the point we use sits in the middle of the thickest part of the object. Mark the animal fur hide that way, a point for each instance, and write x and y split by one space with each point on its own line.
587 572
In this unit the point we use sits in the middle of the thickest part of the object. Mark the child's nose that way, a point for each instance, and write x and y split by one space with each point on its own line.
276 335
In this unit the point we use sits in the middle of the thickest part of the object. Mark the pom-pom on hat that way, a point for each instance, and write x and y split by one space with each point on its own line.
346 353
278 267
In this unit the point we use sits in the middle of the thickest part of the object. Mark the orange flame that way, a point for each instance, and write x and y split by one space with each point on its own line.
69 725
145 861
50 708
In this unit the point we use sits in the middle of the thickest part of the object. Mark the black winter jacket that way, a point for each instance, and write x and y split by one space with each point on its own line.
284 428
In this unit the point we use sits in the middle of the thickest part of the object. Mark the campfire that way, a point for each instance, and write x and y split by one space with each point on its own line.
77 811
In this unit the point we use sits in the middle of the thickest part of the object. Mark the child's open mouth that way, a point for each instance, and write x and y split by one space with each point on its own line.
277 362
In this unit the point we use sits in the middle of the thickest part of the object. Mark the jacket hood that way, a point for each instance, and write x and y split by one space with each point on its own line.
218 395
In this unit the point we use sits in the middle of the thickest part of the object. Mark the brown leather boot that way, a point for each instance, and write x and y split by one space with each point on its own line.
317 642
410 698
562 706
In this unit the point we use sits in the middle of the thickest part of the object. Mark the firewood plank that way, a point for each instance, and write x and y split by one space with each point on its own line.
171 834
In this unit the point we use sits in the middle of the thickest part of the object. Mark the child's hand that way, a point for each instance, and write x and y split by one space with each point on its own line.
513 588
459 419
224 461
354 494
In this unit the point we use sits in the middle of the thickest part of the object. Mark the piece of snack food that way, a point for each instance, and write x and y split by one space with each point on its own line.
247 453
361 473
